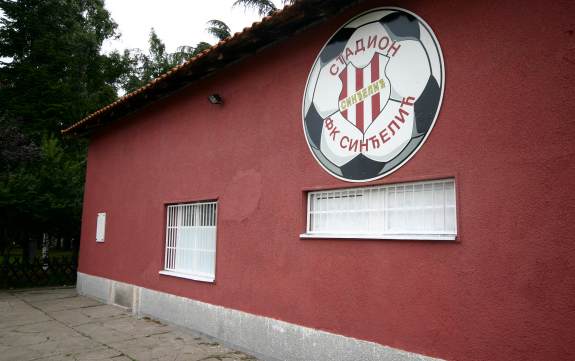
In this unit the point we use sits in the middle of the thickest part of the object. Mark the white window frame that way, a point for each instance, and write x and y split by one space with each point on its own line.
447 233
199 220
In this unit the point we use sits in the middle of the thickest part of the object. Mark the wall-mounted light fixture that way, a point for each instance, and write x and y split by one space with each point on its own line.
215 99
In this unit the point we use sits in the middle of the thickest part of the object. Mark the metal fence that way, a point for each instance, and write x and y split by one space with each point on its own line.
17 273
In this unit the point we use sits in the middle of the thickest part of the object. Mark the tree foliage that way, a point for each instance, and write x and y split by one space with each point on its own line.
145 67
15 147
56 74
219 29
263 7
53 74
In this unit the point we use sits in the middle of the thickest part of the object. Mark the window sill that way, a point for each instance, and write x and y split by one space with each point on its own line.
188 276
413 237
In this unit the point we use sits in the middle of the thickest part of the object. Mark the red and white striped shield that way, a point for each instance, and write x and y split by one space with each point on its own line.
365 92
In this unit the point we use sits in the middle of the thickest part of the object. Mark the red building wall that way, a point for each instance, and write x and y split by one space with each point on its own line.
504 291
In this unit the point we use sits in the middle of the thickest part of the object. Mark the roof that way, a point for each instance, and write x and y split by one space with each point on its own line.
271 29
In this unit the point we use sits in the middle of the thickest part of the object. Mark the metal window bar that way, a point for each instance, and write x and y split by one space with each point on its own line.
418 208
191 238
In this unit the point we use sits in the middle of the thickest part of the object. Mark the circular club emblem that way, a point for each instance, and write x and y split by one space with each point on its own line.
373 94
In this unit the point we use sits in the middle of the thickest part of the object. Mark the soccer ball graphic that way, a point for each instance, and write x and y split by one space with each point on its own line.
373 94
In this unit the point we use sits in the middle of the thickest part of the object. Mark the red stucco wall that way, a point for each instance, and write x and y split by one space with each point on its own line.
504 291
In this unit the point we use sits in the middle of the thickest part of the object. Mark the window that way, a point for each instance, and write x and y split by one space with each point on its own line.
191 241
419 210
101 227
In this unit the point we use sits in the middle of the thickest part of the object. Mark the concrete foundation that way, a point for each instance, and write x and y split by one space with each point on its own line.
267 338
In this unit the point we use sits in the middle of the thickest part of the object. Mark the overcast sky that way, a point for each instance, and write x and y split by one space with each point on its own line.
177 22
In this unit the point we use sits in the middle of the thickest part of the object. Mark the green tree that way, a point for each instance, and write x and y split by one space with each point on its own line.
263 7
146 67
201 46
53 75
16 150
15 147
219 29
42 195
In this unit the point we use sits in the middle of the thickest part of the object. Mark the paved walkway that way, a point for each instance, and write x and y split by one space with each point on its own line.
57 324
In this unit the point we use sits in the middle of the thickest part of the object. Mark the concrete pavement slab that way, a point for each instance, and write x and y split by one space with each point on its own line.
44 339
66 303
59 325
82 316
44 294
101 353
14 312
121 329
